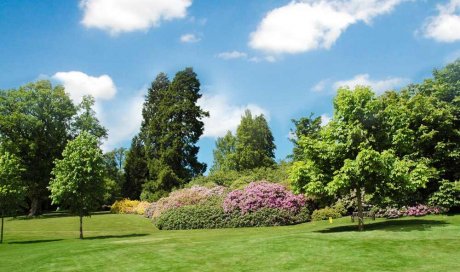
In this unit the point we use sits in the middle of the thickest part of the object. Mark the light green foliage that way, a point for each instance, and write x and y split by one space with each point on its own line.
35 126
255 145
354 153
171 128
87 121
12 190
224 154
78 183
447 196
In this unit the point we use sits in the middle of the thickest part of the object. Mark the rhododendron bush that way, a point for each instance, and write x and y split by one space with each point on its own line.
184 197
258 195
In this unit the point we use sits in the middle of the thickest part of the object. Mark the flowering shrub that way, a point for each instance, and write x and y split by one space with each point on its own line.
421 210
258 195
183 197
124 206
141 207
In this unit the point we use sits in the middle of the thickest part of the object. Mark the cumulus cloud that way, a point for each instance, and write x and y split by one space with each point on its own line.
302 26
232 55
77 84
320 86
379 86
123 120
189 38
117 16
445 27
325 119
223 115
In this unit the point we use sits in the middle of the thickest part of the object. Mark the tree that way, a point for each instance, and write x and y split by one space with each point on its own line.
87 121
136 171
78 182
358 151
305 126
255 145
170 130
224 154
11 189
35 126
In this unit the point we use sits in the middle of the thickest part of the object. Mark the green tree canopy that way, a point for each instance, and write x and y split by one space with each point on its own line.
136 171
35 126
12 190
78 183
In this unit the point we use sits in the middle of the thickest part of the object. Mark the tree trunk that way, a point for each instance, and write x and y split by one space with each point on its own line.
34 206
1 232
360 209
81 226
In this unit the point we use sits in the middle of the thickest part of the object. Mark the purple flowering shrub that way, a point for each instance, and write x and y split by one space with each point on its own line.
184 197
258 195
421 210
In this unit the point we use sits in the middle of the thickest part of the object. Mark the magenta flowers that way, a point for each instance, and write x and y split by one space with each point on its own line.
258 195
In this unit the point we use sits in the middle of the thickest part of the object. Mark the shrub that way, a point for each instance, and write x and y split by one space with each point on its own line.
325 213
211 216
258 195
447 196
422 210
183 197
141 207
124 206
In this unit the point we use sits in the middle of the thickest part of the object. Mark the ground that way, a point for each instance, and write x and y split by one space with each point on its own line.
131 243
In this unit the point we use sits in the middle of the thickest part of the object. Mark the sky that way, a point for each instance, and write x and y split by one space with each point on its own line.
283 59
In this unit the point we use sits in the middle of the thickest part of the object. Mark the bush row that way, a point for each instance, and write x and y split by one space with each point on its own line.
419 210
127 206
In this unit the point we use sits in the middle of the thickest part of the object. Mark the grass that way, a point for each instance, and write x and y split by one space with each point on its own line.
131 243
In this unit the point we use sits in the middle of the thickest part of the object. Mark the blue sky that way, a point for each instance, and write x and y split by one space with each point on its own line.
281 58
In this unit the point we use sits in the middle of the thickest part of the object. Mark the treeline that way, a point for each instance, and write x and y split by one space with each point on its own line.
396 148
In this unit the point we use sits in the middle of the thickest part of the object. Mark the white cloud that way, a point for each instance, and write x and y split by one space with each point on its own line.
189 38
122 121
302 26
325 119
379 86
78 84
320 86
117 16
223 115
232 55
445 27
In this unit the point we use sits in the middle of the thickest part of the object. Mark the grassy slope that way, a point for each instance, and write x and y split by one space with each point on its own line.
130 243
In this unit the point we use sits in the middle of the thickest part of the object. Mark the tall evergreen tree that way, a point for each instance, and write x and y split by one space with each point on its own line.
255 145
135 169
170 130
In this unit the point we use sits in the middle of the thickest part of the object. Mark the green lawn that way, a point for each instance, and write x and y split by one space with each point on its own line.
131 243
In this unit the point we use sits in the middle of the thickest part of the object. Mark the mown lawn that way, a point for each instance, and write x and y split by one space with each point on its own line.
131 243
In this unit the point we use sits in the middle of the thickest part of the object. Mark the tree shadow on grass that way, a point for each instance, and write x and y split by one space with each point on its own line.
115 236
35 241
390 225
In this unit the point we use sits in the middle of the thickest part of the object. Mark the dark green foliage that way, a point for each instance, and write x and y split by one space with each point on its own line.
115 177
35 126
135 170
170 130
305 126
211 216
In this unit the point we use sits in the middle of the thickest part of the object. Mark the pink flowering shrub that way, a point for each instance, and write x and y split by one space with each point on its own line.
184 197
421 210
258 195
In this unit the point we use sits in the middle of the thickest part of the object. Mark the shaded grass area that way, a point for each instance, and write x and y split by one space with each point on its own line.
131 243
